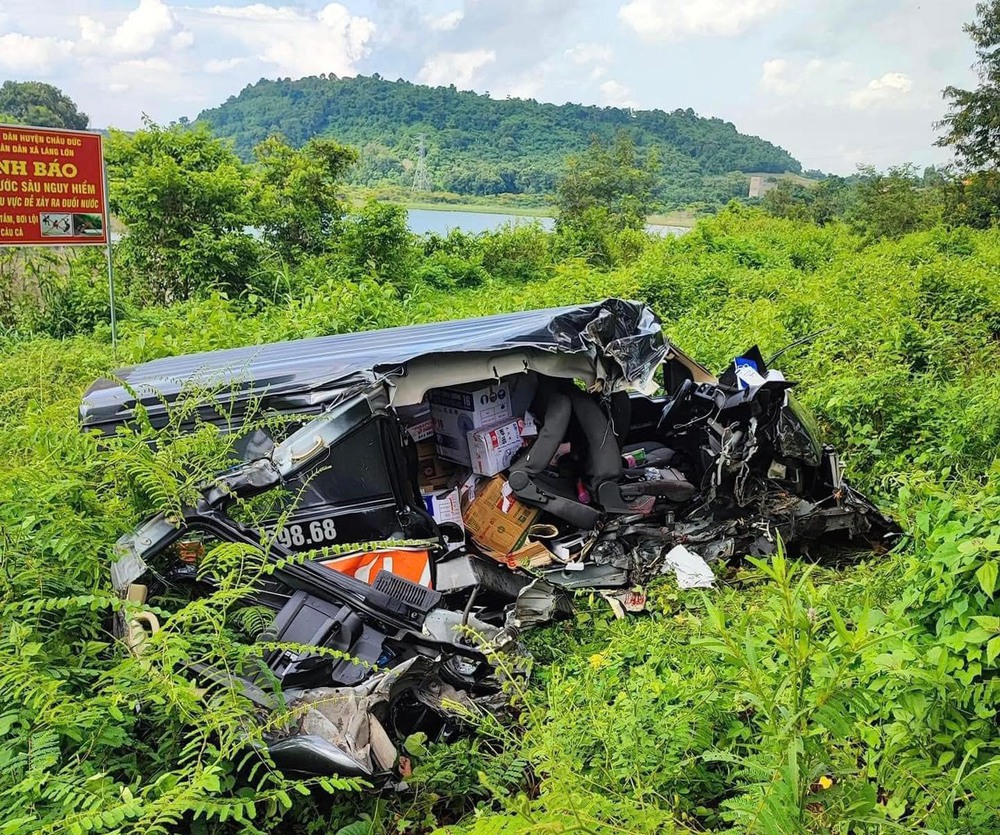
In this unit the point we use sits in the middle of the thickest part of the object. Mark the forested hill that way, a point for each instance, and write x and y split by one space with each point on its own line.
479 145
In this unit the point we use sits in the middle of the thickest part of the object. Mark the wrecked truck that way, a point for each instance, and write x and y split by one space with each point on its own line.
446 486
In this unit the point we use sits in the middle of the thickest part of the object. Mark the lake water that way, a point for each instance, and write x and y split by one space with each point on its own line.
422 221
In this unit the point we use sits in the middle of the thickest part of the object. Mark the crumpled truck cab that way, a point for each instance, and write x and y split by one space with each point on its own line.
499 464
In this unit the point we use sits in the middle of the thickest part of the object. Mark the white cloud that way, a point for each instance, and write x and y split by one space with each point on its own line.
821 78
774 78
300 43
458 68
142 28
529 84
257 12
146 65
91 31
617 95
217 65
153 75
890 89
655 20
446 22
24 53
182 40
780 77
598 57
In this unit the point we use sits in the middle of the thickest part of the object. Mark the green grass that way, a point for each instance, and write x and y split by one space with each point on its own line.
796 179
482 208
862 699
678 217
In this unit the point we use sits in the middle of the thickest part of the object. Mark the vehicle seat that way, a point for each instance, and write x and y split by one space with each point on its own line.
572 414
528 476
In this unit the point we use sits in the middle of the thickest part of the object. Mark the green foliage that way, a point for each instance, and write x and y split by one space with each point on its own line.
888 205
298 206
973 200
444 271
517 253
40 104
614 179
377 243
892 203
52 292
789 700
182 194
827 200
482 146
971 125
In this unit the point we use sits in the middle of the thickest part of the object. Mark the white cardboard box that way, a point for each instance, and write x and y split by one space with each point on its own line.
493 448
457 411
445 506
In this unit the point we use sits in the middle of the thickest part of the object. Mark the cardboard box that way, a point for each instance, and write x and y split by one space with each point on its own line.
496 521
493 448
530 555
433 472
417 420
457 411
444 506
422 431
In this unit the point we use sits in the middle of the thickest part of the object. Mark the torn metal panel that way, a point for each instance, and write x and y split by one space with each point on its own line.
305 376
538 603
349 730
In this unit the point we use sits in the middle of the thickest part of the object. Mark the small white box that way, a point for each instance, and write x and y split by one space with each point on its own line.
459 410
493 448
445 506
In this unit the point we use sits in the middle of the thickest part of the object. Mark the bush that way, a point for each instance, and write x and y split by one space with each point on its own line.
518 253
182 195
375 242
442 271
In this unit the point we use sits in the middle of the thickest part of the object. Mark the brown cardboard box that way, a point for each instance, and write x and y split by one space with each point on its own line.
530 555
496 521
433 472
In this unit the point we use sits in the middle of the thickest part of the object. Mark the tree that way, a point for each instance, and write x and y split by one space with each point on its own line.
40 104
821 203
888 205
183 197
614 180
788 199
298 205
376 243
972 127
972 199
482 146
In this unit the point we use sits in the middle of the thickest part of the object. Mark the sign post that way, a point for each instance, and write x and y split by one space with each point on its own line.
53 192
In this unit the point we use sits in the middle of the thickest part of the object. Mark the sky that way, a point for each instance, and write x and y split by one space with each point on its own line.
837 83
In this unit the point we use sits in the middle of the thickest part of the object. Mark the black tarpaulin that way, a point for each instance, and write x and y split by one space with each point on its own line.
304 375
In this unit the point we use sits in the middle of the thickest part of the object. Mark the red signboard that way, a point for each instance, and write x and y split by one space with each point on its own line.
51 187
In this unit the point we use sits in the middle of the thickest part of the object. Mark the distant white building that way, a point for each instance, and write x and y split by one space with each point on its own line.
759 186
